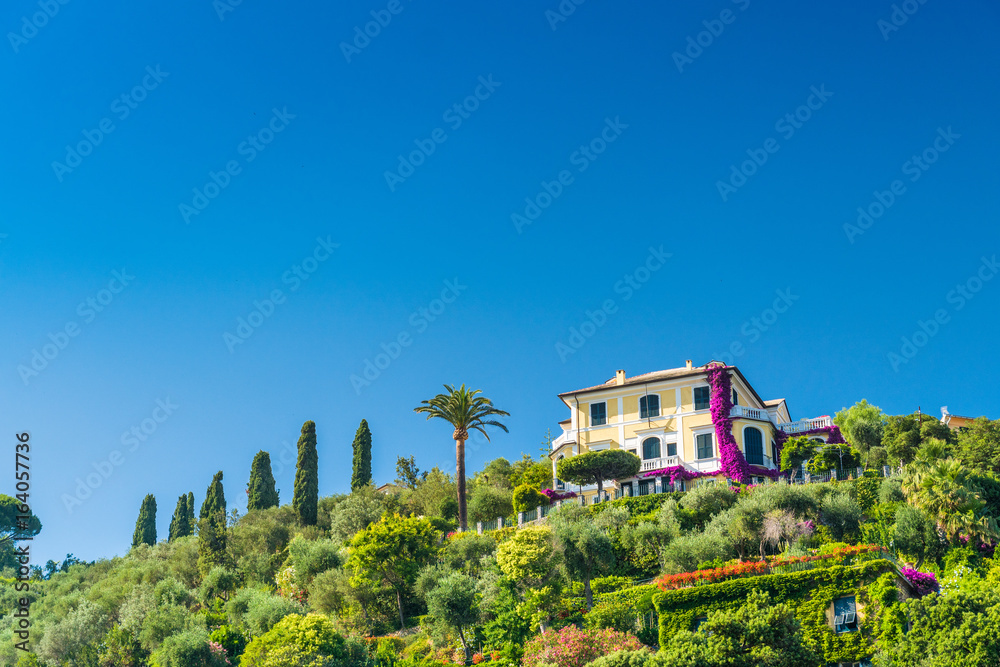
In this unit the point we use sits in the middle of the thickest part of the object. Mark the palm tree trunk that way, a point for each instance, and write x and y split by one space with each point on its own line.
460 479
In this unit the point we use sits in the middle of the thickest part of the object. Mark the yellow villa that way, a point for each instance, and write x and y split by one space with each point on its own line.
665 419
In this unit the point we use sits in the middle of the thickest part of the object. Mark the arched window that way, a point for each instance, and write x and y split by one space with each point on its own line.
753 446
651 448
649 406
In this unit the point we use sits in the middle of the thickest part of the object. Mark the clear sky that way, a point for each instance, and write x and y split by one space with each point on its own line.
711 154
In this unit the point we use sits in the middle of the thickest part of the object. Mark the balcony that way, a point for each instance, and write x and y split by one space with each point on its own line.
656 464
743 412
806 425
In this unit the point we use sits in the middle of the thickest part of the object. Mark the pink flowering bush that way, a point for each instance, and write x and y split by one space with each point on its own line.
555 495
923 582
572 647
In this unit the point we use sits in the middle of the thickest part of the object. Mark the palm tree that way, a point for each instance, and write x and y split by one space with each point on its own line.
944 490
466 411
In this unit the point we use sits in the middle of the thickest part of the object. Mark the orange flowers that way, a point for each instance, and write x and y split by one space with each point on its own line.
755 568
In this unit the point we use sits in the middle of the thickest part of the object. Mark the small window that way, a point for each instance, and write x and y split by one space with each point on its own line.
705 448
649 406
643 487
651 448
736 398
701 398
845 615
598 414
671 449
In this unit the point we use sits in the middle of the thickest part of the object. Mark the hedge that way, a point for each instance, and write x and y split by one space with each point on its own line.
809 592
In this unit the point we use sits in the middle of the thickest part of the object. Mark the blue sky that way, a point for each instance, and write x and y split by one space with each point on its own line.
623 133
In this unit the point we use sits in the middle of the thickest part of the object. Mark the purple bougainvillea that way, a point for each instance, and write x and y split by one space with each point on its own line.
733 464
555 495
922 582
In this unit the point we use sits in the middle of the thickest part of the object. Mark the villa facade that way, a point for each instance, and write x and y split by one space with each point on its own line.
665 418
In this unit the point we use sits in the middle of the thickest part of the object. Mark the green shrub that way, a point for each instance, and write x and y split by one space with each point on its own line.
310 558
623 659
610 584
296 640
255 611
527 497
188 649
230 639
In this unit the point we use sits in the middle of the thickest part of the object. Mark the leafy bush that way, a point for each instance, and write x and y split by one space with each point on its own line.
490 502
188 649
356 512
70 637
296 640
527 497
218 583
229 638
255 611
571 647
623 659
310 558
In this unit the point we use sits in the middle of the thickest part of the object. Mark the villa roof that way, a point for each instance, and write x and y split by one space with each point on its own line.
657 376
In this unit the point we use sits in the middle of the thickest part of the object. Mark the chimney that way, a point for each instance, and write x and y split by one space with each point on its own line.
689 364
619 377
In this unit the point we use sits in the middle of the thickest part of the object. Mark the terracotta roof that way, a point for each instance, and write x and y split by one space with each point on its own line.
639 379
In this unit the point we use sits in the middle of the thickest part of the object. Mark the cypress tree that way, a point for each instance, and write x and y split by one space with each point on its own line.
261 493
306 493
212 527
145 525
215 498
362 474
192 520
180 525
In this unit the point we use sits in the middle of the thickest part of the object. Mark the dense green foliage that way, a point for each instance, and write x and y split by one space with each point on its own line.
596 467
361 474
180 523
306 494
749 575
261 492
145 525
